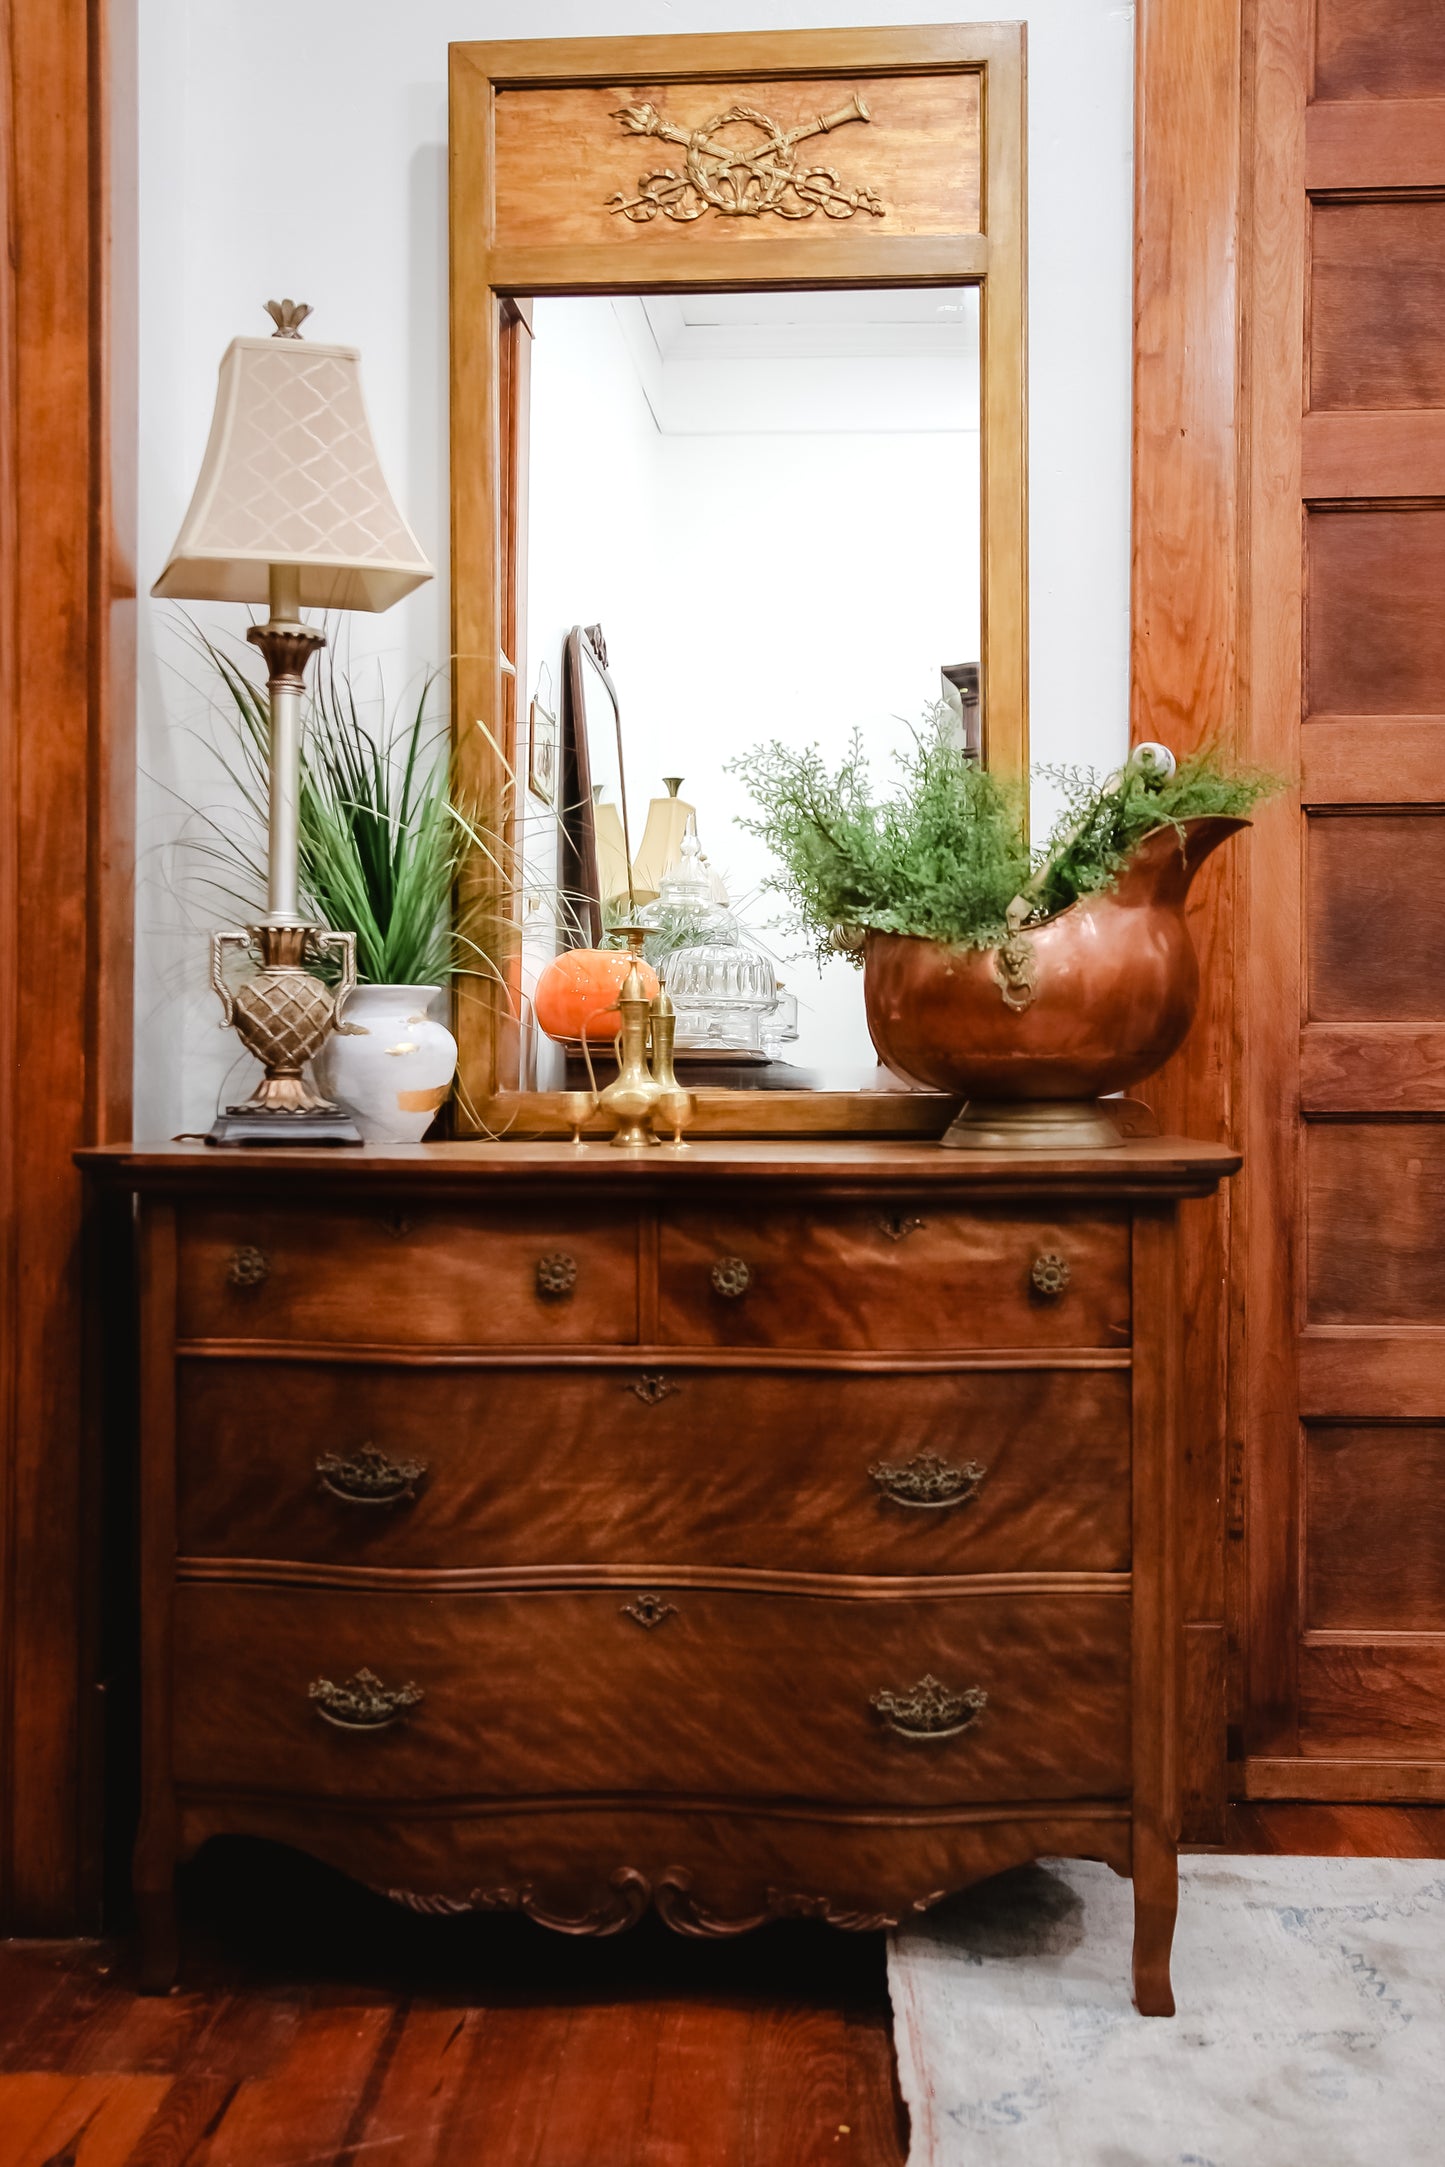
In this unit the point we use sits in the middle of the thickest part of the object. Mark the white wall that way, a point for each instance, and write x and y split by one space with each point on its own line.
322 174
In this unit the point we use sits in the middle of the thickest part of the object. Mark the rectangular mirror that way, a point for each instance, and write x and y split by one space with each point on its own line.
738 456
751 516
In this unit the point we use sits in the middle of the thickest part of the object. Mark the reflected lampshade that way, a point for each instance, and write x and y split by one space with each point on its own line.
291 477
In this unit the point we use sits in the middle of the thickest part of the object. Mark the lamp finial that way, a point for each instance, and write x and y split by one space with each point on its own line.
288 317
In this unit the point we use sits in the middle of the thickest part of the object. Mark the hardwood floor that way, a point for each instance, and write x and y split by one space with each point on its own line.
319 2027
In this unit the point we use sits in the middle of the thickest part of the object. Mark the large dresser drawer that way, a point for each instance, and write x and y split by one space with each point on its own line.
903 1699
429 1276
871 1276
804 1470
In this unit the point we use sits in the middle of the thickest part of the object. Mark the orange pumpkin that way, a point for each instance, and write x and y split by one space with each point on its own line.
576 994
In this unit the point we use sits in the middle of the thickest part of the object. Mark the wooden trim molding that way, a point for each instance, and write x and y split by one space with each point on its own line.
67 466
1185 690
520 226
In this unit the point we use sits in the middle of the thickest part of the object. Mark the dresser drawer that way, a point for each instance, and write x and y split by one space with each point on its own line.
428 1276
872 1276
805 1470
657 1689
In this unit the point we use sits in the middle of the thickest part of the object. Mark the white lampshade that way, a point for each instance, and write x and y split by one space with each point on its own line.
291 477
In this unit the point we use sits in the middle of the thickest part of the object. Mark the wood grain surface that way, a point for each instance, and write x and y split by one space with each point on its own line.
1375 1526
67 788
734 1694
842 1278
1184 689
677 1465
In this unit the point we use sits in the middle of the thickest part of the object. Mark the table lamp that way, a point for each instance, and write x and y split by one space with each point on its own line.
291 509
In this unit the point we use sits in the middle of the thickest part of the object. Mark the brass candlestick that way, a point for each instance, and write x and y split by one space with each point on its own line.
675 1108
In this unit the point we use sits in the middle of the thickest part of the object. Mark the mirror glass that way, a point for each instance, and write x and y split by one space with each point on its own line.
766 508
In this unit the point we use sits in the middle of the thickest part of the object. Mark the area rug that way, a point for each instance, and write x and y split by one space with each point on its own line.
1310 2032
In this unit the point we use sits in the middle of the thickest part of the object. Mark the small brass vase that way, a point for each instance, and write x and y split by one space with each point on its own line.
629 1100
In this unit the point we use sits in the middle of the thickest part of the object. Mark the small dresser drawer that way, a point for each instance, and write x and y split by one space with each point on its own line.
649 1463
653 1689
875 1276
424 1276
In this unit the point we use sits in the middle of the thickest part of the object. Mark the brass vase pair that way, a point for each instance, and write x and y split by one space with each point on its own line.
644 1101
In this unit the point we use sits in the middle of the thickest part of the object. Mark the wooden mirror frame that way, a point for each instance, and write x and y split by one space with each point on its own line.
509 243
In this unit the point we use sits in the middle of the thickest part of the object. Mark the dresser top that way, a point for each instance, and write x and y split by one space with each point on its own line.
1155 1165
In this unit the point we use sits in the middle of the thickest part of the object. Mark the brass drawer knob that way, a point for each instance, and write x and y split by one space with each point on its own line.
556 1276
363 1703
369 1477
927 1483
731 1278
929 1710
248 1266
1050 1275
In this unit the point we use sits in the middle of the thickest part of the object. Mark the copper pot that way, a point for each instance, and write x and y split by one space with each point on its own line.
1033 1033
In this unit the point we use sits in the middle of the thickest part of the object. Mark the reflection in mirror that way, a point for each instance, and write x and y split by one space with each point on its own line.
771 503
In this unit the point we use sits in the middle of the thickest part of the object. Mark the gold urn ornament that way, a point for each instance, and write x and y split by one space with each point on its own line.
283 1014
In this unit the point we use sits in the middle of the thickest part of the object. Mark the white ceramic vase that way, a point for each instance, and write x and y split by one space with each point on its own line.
390 1062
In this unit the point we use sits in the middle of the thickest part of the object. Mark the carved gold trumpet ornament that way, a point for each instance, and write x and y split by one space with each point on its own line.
741 178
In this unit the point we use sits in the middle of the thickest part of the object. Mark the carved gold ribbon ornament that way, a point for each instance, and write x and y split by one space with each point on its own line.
741 179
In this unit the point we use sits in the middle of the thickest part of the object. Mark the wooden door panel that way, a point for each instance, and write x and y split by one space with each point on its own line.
1375 1526
1379 49
1368 1698
1375 915
1375 628
1377 301
1375 1205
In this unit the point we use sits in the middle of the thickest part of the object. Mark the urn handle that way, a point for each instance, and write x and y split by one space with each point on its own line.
731 1277
928 1482
930 1710
363 1703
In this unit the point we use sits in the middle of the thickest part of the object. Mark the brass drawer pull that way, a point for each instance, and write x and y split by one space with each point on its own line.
556 1276
369 1477
897 1227
929 1710
652 1386
649 1610
731 1278
363 1703
1050 1275
248 1266
927 1483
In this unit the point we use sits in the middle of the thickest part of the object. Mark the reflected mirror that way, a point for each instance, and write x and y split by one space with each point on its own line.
750 516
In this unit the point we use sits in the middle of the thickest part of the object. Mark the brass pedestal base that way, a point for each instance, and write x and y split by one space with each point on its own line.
1033 1125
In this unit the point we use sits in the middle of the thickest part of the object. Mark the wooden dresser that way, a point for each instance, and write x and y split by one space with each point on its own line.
756 1530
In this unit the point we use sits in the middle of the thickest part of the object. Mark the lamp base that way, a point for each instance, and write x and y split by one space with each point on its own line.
243 1126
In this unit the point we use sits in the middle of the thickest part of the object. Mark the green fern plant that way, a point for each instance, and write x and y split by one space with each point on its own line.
944 854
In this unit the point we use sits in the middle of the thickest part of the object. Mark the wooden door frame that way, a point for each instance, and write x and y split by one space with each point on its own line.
1190 686
490 273
67 787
